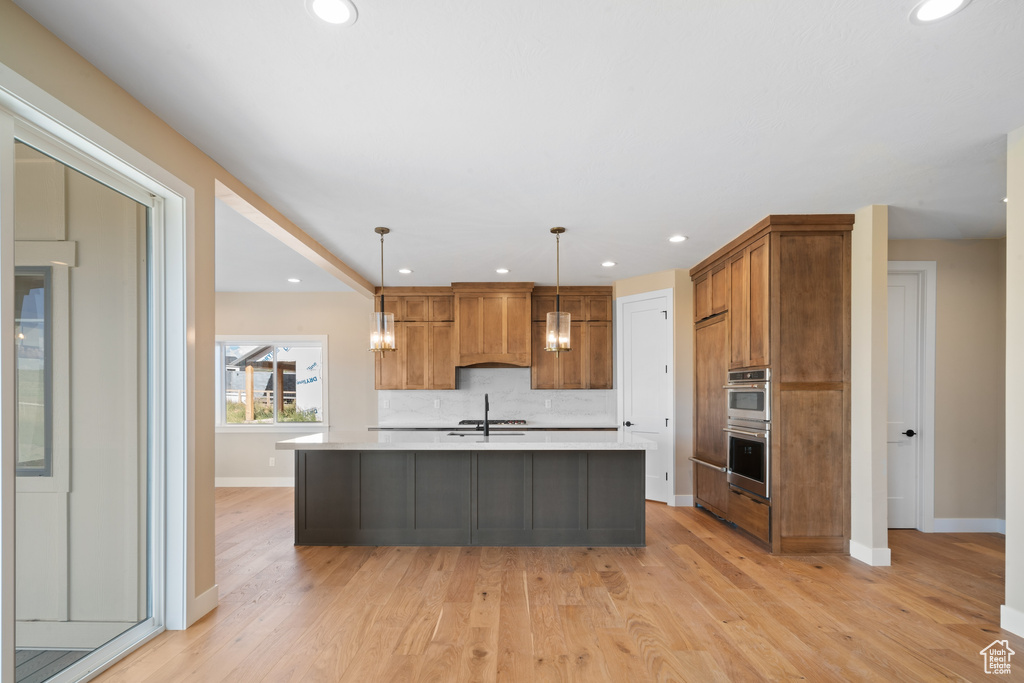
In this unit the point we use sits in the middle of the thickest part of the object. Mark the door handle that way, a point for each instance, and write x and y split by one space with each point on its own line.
909 432
627 423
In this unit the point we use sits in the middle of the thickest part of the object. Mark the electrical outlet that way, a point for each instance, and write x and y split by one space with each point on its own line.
547 403
272 460
437 403
387 403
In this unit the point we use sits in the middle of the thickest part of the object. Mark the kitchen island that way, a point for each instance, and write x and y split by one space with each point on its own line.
433 488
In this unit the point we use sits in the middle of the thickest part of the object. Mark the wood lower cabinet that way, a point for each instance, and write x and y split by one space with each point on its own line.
789 310
711 362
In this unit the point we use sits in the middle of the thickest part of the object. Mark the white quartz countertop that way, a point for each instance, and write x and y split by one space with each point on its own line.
427 426
472 441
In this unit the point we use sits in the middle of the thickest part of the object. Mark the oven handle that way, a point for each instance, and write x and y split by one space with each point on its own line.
707 464
763 385
745 432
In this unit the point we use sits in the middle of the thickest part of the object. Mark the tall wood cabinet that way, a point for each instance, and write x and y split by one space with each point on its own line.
789 310
589 364
424 337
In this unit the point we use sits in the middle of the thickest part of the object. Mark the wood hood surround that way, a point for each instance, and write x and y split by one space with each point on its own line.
779 295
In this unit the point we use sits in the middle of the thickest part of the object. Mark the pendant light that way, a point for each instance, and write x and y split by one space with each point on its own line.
556 334
382 325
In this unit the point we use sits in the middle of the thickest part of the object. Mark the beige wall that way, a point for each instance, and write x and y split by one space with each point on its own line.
42 59
1013 609
869 537
351 400
682 294
970 337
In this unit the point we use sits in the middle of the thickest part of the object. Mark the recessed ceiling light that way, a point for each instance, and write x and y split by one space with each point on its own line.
294 279
337 12
932 10
677 238
404 271
502 271
608 264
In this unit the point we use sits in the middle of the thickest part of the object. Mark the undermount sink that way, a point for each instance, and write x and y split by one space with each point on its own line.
476 433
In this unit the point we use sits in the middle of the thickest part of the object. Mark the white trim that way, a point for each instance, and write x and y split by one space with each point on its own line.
101 659
620 303
926 272
685 501
1011 620
208 600
254 482
875 557
969 525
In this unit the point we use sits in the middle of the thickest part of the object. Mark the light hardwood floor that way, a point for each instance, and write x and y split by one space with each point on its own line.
700 603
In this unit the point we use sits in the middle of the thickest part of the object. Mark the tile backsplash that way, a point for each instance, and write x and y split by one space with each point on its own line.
510 397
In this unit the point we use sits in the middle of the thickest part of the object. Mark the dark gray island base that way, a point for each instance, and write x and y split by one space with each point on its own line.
515 497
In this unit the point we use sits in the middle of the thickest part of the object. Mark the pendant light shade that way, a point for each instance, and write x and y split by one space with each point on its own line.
382 325
559 322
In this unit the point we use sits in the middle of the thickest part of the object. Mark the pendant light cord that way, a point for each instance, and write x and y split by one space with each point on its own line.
558 274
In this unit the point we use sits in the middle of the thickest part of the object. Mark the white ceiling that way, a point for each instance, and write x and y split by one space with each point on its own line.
470 128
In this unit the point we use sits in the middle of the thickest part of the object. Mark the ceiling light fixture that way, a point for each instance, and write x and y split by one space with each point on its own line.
382 325
677 238
556 334
931 11
608 264
404 271
337 12
502 271
294 279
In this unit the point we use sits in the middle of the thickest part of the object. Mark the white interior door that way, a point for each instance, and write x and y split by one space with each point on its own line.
904 469
646 342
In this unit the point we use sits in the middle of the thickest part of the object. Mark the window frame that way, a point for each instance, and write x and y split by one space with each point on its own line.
273 341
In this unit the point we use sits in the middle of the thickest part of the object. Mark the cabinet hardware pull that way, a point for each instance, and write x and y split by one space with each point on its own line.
708 464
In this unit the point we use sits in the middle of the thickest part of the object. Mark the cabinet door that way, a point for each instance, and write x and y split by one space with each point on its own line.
442 309
392 305
758 302
572 365
573 304
544 367
441 356
720 290
739 321
710 410
390 365
599 355
702 298
493 328
599 307
414 308
415 353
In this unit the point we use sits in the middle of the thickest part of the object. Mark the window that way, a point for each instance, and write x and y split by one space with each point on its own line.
271 382
33 381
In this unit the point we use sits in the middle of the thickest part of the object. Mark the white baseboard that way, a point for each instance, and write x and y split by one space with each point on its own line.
876 557
1011 620
203 604
68 635
246 482
681 502
969 525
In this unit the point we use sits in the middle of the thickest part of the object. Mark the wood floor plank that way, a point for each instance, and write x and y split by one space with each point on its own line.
702 602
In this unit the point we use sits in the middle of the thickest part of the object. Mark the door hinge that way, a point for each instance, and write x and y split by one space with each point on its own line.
666 369
666 476
666 422
665 313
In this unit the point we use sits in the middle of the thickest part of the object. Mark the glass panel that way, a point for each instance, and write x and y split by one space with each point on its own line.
301 373
82 571
32 355
248 384
747 400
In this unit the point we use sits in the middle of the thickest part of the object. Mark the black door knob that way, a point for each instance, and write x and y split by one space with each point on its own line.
628 423
910 432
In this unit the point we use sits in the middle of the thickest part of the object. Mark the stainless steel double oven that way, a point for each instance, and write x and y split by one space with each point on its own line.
748 430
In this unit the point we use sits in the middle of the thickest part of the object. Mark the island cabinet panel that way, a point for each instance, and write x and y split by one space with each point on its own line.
711 362
464 497
492 326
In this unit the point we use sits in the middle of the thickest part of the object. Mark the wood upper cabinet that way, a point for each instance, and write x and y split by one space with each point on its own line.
492 323
711 365
749 306
573 304
589 364
390 365
424 337
711 293
442 308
